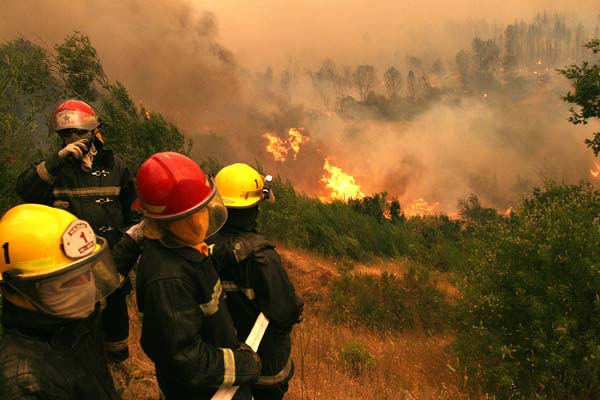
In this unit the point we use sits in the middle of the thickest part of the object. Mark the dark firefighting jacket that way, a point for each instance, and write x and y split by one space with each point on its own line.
186 328
46 357
255 281
102 197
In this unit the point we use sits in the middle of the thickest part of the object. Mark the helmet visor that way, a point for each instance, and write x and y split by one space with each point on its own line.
217 213
73 291
74 119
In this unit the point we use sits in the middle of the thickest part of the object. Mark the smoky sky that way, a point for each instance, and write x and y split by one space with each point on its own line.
357 30
202 64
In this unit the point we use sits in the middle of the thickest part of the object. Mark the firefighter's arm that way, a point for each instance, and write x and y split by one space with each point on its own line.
175 321
34 185
275 293
127 196
126 251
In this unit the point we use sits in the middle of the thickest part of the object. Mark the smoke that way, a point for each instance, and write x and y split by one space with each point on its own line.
196 63
279 33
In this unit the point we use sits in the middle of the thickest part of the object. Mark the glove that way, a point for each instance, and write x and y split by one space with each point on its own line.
245 350
136 232
76 149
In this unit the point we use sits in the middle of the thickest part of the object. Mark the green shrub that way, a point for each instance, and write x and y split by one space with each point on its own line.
390 303
435 241
356 358
530 321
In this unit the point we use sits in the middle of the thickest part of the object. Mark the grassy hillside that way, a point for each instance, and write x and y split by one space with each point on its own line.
341 360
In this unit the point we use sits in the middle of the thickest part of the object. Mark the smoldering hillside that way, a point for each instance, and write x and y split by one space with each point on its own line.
174 59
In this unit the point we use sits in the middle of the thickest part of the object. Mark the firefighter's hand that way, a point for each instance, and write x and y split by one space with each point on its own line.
244 348
76 149
136 232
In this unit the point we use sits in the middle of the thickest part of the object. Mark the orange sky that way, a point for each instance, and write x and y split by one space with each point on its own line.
291 30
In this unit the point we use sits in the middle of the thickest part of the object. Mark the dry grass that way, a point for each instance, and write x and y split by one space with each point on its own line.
409 366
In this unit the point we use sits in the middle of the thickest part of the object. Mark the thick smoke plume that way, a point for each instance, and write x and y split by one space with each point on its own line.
197 63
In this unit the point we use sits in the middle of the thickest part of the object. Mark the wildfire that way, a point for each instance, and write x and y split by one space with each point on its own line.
343 186
296 139
280 148
507 212
420 208
596 171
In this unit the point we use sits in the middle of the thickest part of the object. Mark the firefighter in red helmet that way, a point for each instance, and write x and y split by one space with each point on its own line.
88 180
186 329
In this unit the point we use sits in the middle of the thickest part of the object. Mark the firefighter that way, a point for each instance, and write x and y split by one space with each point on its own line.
186 329
54 271
88 180
253 277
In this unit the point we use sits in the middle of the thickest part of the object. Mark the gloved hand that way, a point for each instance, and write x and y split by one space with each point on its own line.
76 149
246 350
136 232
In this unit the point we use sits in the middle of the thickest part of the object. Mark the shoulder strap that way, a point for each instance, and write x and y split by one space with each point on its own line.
249 243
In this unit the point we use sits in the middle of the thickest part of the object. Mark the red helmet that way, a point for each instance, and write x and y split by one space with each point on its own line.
75 114
172 186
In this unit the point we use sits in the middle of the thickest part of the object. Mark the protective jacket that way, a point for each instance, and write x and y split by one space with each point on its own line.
46 357
186 329
102 197
255 280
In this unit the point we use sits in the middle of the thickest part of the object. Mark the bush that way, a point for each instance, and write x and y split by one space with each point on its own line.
335 229
388 302
356 357
530 321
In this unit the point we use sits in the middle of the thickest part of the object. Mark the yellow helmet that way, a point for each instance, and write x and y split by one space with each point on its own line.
49 255
241 186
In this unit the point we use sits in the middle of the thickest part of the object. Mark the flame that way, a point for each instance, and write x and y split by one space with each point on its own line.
147 115
343 186
507 212
420 208
280 148
296 139
276 146
596 171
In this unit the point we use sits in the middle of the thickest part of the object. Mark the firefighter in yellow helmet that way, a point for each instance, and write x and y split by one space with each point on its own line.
54 270
254 278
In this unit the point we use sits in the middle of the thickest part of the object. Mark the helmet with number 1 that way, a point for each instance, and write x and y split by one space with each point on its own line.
241 186
75 114
172 186
60 267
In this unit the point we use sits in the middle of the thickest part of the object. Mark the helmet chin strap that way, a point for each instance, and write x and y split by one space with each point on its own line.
18 300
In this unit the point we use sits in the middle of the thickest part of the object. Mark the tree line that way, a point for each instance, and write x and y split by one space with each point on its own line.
35 78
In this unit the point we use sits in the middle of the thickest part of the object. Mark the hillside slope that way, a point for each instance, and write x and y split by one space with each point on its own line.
411 365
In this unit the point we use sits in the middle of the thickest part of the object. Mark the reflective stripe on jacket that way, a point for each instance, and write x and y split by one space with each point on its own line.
186 329
255 280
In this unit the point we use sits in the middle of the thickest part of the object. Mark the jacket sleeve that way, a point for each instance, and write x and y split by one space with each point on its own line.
173 324
125 254
34 185
127 196
275 293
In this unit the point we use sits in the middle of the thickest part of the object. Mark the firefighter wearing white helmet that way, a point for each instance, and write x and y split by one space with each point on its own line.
54 270
254 278
88 180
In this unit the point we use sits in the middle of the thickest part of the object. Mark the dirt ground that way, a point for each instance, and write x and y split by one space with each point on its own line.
410 366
